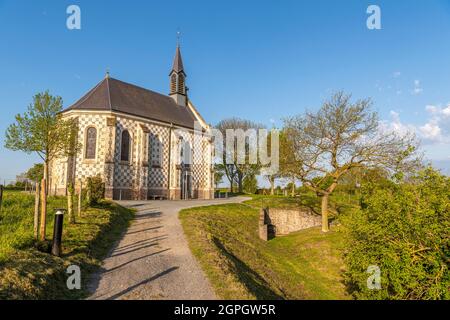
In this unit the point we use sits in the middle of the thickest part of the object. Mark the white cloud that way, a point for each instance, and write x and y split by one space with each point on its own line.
395 125
396 74
431 130
417 88
431 109
436 128
446 111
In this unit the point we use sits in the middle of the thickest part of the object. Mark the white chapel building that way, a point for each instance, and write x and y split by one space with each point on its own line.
140 142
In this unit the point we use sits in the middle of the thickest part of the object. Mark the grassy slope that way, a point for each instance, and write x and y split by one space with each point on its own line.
303 265
26 273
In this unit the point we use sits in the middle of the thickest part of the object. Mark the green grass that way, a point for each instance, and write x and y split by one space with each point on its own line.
303 265
27 273
339 202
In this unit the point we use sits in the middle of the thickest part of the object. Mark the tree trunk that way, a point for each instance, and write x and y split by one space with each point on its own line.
79 198
70 204
43 209
293 188
325 226
272 185
36 211
240 183
46 177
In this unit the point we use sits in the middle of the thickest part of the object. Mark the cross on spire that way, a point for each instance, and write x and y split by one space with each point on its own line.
178 37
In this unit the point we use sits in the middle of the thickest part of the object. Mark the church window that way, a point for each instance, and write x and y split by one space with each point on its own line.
156 151
125 146
91 143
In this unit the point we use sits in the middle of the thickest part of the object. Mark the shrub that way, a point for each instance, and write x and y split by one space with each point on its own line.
404 229
250 184
95 190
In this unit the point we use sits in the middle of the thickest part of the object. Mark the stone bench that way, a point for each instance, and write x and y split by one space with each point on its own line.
157 197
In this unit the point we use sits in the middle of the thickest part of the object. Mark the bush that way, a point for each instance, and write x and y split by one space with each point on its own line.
95 190
250 184
404 229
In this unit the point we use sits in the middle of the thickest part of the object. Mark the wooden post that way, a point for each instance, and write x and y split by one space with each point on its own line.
70 192
43 209
36 211
79 198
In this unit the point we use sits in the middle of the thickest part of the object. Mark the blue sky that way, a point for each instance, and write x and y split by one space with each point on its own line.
256 59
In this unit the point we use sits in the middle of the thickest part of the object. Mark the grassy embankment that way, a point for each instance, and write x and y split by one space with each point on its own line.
302 265
28 273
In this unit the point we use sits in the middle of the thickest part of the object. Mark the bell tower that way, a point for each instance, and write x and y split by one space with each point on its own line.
177 77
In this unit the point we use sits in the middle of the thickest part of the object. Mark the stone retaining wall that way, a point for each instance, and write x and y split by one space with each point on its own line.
275 222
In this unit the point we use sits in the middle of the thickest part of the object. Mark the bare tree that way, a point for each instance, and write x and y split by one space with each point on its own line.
340 137
270 175
271 178
234 170
290 166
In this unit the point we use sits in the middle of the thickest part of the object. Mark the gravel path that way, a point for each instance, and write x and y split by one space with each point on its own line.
153 260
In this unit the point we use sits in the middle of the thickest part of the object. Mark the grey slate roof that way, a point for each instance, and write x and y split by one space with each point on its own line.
115 95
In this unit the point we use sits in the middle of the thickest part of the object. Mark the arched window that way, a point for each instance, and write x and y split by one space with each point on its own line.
91 143
125 146
185 152
187 157
156 151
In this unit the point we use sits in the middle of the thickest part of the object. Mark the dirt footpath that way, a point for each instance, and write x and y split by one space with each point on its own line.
153 260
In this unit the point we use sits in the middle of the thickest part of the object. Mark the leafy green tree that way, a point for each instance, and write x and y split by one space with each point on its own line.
41 129
290 188
404 230
218 175
36 172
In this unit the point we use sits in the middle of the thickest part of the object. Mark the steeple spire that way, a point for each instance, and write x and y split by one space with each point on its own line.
177 61
177 78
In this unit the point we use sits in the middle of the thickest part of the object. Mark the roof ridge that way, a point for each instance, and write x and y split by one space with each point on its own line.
117 95
140 87
109 93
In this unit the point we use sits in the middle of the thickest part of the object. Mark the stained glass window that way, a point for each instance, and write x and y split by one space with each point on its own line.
156 151
125 146
91 143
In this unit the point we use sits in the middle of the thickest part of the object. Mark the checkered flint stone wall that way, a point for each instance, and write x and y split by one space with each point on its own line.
153 157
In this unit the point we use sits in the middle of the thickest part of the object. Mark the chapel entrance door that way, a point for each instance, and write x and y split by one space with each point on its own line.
186 182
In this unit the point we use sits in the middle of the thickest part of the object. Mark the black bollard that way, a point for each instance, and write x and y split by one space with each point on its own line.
57 232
